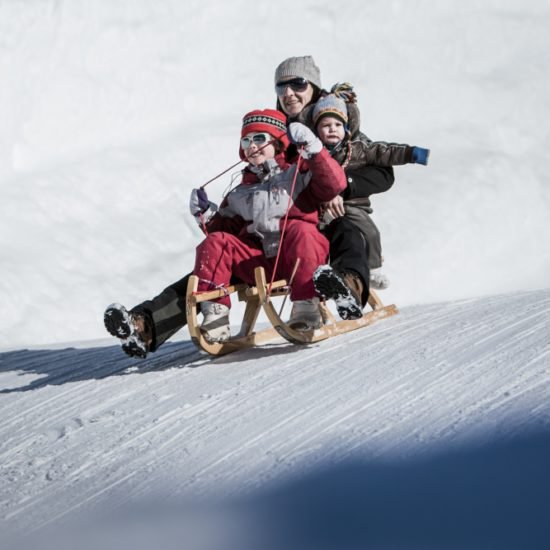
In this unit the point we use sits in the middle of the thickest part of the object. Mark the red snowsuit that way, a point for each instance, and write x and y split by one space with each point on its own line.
245 232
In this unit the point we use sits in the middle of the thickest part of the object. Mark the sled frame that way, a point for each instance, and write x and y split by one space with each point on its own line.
258 298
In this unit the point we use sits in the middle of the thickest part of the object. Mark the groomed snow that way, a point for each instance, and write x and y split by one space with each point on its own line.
450 399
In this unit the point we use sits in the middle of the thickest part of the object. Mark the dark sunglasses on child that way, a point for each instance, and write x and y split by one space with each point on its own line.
256 139
296 85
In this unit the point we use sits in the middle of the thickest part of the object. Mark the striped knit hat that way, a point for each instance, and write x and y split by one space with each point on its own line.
330 105
267 120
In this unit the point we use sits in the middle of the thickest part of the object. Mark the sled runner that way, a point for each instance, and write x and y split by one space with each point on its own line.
259 297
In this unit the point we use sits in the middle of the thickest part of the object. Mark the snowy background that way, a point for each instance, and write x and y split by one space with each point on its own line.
110 113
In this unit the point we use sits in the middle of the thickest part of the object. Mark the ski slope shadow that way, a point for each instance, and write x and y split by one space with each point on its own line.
491 496
60 366
483 496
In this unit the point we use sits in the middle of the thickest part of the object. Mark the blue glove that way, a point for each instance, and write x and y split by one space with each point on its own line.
300 134
198 203
420 156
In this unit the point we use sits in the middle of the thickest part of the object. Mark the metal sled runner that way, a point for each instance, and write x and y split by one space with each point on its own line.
258 298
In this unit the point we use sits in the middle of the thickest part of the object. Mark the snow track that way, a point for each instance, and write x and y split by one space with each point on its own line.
84 429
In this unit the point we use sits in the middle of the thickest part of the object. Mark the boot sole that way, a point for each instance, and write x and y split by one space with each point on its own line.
133 349
117 321
330 285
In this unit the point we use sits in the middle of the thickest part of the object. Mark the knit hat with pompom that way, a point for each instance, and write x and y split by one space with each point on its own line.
335 103
265 120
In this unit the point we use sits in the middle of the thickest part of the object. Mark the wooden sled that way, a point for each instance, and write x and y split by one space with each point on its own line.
257 298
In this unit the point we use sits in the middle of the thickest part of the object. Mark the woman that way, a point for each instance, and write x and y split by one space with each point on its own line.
245 231
298 88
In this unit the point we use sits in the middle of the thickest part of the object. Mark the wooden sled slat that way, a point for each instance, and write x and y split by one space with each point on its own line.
256 299
288 333
246 337
330 328
213 294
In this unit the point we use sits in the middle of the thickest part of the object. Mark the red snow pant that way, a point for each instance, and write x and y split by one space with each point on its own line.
222 255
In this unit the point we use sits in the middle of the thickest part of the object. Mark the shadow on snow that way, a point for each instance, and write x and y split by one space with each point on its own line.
490 495
60 366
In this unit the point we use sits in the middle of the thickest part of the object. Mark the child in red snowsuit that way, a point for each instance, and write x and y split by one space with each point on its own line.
245 231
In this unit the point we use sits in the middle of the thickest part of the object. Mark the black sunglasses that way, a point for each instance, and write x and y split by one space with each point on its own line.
297 84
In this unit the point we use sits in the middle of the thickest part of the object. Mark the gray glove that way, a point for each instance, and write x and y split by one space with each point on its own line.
301 135
199 205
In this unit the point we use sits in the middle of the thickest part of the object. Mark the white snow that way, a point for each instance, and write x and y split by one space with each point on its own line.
426 430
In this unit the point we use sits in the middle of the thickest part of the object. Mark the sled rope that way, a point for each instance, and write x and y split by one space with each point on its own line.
284 224
234 165
290 284
201 217
212 285
203 223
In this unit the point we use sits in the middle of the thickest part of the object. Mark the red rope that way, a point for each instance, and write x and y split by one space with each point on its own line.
221 174
236 164
201 217
284 224
203 223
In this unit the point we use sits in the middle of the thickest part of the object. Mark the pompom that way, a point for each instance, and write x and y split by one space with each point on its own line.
344 90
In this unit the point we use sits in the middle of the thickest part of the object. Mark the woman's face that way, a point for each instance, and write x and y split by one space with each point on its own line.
255 149
292 100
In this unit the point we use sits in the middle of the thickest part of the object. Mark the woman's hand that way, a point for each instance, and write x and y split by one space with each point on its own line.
335 207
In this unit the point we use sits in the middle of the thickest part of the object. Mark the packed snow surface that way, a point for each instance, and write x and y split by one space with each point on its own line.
439 412
426 430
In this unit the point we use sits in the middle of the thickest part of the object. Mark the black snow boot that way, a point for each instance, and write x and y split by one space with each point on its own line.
344 289
134 329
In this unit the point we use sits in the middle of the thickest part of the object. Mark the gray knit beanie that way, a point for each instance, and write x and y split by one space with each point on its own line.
301 67
330 105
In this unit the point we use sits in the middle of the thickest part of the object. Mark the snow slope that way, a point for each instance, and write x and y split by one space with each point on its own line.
451 399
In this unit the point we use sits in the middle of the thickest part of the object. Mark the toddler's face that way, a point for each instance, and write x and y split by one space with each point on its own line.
331 130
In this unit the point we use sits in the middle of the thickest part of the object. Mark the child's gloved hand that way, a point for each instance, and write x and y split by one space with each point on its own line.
198 203
300 134
420 155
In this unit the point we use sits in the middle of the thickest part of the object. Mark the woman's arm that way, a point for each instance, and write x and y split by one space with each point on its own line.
368 180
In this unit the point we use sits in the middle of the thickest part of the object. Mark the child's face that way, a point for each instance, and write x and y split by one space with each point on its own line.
257 151
330 130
